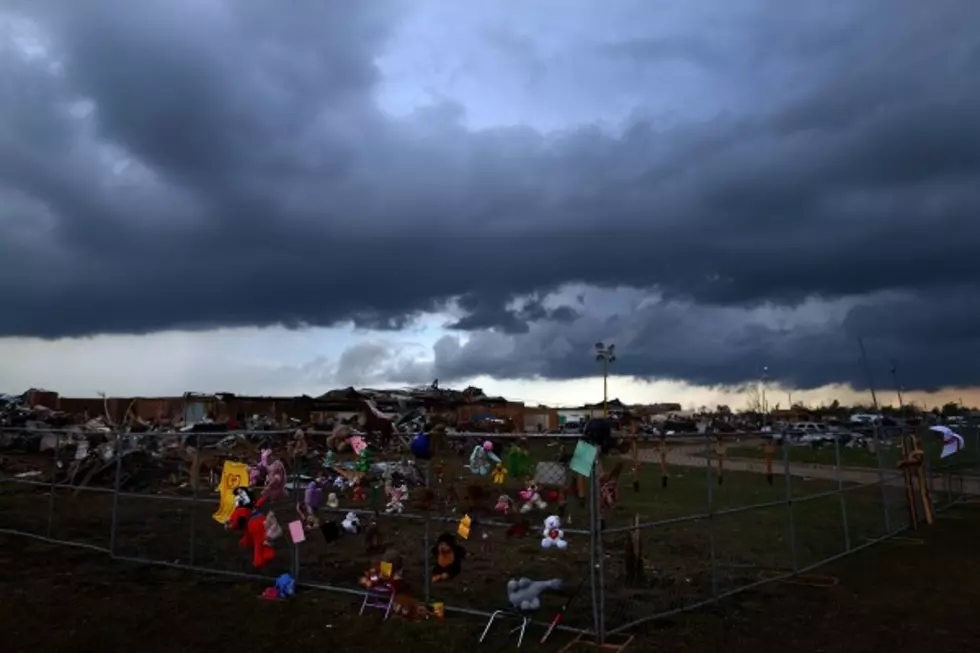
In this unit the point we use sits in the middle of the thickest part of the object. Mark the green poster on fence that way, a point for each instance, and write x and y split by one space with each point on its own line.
583 458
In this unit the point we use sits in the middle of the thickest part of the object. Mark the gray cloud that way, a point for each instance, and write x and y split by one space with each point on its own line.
231 166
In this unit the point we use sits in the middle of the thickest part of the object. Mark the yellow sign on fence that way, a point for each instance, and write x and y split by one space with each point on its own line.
233 475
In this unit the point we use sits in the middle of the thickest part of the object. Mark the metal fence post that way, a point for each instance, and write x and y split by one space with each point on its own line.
427 516
789 506
54 476
297 496
881 478
114 524
593 564
840 494
711 515
195 481
599 524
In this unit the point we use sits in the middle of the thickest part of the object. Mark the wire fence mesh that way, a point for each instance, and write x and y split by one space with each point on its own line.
661 526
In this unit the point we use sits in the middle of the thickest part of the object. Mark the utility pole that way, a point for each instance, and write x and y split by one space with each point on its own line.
605 355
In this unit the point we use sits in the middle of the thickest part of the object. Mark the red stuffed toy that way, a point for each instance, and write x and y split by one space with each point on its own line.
260 530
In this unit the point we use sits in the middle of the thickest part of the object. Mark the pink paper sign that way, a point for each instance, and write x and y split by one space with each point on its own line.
296 532
358 444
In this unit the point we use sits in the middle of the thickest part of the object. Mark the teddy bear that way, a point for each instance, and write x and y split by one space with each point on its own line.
554 536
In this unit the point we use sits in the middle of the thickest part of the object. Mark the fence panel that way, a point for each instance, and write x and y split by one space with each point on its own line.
658 528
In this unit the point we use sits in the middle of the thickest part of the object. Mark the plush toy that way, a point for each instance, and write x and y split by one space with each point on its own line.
554 536
259 530
340 482
363 464
518 461
499 474
525 594
504 504
421 447
275 477
396 497
329 459
609 486
284 588
448 558
481 457
351 523
332 501
313 497
532 499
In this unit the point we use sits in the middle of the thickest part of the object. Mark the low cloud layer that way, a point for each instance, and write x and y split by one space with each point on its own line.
191 165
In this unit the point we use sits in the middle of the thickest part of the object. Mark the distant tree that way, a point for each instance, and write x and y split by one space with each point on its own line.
753 399
950 409
835 405
723 409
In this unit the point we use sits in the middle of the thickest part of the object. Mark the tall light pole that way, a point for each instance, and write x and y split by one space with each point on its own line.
605 355
765 381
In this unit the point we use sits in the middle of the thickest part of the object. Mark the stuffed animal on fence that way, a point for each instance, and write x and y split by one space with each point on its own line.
259 530
481 457
525 594
275 478
532 498
351 523
554 536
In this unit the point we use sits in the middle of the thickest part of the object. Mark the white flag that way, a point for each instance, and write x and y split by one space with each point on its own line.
952 441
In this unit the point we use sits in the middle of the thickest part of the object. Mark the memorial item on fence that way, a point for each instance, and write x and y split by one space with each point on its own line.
524 594
351 524
532 498
463 529
259 530
396 499
609 486
499 474
481 458
271 473
583 458
518 461
233 476
952 441
505 505
284 588
332 500
421 446
448 558
296 532
554 536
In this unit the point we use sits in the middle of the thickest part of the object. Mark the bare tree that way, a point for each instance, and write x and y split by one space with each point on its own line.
753 398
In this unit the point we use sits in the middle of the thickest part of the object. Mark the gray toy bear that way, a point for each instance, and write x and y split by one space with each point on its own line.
525 594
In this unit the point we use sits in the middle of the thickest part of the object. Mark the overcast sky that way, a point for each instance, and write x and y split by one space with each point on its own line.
270 197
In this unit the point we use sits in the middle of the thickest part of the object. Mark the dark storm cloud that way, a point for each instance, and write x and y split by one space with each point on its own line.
265 186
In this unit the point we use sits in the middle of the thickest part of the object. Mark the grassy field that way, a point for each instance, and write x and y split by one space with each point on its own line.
967 461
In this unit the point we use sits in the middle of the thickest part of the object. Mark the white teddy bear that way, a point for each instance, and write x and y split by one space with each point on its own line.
554 536
351 523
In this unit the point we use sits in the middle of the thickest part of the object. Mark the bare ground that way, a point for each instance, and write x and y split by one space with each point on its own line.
891 597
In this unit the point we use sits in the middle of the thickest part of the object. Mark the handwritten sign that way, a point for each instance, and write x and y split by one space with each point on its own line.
233 475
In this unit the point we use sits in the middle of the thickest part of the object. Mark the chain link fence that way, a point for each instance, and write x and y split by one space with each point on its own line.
668 525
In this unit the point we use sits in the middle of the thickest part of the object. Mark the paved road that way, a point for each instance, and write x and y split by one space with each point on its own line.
693 456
